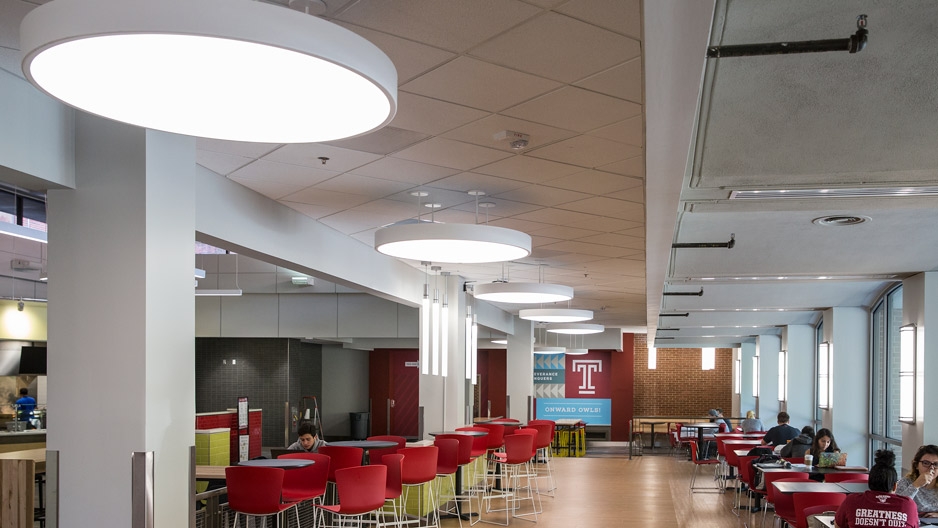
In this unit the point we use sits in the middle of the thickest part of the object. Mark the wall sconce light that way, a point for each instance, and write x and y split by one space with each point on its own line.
824 359
783 376
907 361
652 358
708 360
755 377
738 376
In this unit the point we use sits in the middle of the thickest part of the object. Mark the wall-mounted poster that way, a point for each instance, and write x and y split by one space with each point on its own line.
574 387
244 437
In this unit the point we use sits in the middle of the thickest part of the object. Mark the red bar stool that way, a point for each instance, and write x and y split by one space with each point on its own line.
255 491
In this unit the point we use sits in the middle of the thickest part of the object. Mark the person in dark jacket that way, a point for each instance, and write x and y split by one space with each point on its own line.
800 444
781 433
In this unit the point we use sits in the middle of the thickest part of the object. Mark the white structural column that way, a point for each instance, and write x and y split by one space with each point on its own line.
847 328
798 340
920 306
121 322
747 352
769 347
519 367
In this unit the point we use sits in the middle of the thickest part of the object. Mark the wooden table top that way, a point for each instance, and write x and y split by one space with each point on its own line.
210 472
36 455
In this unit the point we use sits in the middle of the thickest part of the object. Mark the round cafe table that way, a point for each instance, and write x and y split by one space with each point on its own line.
467 433
282 463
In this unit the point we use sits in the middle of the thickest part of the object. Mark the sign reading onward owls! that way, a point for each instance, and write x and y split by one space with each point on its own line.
573 387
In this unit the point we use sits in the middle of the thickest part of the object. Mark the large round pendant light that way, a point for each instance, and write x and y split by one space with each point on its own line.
452 243
522 292
225 69
548 350
575 328
555 315
577 351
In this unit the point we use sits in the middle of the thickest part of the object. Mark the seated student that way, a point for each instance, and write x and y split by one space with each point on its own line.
716 415
752 424
800 444
878 506
308 439
823 443
920 484
781 433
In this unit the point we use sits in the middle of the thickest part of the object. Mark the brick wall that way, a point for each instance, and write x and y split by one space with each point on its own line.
677 387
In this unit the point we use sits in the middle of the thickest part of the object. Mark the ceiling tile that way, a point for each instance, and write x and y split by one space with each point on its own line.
284 173
478 84
621 16
502 208
448 153
410 58
313 211
627 167
482 132
556 217
370 215
446 197
612 239
613 225
636 194
453 25
624 81
373 188
558 47
630 131
430 116
542 195
314 196
586 151
471 181
271 189
384 141
405 171
564 232
575 109
600 205
597 182
517 224
220 163
308 154
528 169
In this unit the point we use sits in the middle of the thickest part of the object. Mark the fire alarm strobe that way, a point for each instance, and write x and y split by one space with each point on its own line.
518 140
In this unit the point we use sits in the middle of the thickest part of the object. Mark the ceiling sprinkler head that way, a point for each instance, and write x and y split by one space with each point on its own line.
519 144
20 305
517 140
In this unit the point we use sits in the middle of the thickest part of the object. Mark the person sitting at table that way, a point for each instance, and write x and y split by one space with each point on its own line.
716 415
308 439
781 433
752 424
880 505
823 443
920 484
800 444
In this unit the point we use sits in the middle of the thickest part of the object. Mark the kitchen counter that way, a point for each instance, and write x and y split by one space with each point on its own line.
19 440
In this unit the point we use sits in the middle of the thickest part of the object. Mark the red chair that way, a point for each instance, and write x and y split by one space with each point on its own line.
255 491
794 460
771 494
375 455
419 468
447 463
819 509
745 476
341 457
393 488
463 459
306 483
518 452
542 443
479 443
804 501
361 491
495 440
844 477
785 502
697 463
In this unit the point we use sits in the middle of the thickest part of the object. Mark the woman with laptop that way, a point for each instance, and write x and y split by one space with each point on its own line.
920 484
823 443
878 506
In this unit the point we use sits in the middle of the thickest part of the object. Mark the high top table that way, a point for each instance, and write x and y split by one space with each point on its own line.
700 426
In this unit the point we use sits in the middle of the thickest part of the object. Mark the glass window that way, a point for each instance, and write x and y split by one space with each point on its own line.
885 357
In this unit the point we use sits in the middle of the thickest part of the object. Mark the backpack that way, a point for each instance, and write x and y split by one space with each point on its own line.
758 477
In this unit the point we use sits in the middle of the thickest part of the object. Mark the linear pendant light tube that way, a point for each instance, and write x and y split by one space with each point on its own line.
425 332
435 333
475 349
210 68
444 338
468 340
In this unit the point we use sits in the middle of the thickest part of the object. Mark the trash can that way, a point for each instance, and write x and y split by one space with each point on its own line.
359 423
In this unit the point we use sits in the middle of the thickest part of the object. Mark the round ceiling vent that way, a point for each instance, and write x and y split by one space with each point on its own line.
841 220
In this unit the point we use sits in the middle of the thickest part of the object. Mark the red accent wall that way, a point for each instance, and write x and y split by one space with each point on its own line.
493 373
600 380
389 377
622 389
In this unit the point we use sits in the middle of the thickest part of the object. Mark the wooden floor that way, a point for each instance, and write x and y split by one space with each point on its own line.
648 491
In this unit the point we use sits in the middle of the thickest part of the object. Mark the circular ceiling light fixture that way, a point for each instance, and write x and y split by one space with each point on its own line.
577 351
555 315
452 243
212 68
522 292
840 220
576 328
549 350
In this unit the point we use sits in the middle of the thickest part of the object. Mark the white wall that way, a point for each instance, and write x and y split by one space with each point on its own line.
769 347
920 306
519 368
847 328
799 341
747 351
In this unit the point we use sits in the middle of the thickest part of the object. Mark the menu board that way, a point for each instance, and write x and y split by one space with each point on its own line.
243 433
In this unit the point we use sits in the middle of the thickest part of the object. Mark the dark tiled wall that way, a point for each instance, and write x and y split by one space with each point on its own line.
269 372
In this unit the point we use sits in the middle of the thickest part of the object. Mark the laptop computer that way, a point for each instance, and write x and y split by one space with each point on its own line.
832 459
